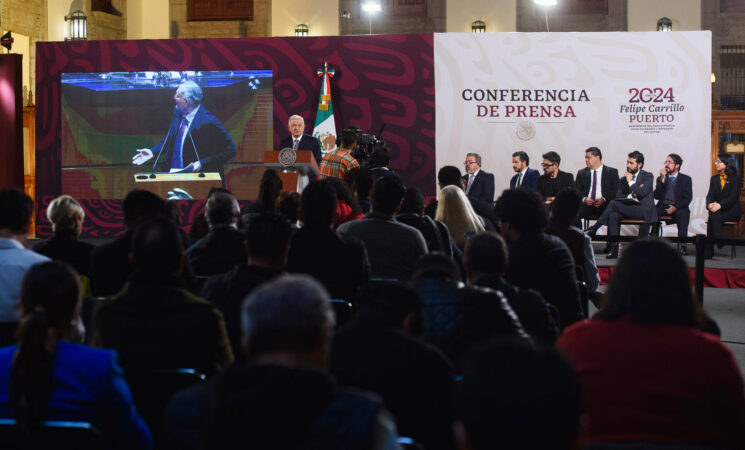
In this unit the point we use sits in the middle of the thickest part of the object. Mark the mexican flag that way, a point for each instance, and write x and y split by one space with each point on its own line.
325 128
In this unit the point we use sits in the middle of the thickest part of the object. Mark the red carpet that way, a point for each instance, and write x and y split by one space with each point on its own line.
717 278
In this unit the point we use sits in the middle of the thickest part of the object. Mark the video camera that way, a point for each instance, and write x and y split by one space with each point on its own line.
367 143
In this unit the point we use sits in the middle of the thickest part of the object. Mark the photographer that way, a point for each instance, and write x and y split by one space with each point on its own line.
337 163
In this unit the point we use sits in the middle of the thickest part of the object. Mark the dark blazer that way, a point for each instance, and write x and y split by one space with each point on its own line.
307 142
549 188
609 182
218 252
482 187
642 190
729 197
530 181
67 248
206 141
683 190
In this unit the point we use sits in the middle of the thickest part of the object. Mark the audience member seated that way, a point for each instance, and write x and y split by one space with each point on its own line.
450 176
379 161
519 398
288 204
723 199
266 244
222 248
457 317
49 377
66 216
270 187
347 208
110 264
564 214
16 209
339 262
283 397
361 181
485 259
435 233
393 247
154 322
455 211
379 351
172 213
538 261
651 380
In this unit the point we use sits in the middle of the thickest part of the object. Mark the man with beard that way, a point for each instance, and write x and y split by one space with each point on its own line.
553 180
634 201
479 184
674 191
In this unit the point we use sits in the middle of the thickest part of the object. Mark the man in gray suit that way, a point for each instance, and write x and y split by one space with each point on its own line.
635 200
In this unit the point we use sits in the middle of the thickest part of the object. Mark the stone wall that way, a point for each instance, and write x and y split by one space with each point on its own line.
180 28
531 18
27 17
726 29
387 22
104 26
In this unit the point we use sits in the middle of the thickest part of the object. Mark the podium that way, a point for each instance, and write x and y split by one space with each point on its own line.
198 185
297 175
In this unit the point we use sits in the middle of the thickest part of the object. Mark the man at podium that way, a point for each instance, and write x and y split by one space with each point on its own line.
298 140
196 140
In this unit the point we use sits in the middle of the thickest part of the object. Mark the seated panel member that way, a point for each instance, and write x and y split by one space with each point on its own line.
298 140
634 201
597 183
196 140
674 192
479 184
723 199
526 177
553 180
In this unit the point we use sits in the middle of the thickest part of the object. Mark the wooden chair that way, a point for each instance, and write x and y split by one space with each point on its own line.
52 435
732 227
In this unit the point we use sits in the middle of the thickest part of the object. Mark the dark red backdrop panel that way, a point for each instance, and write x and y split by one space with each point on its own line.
11 121
379 79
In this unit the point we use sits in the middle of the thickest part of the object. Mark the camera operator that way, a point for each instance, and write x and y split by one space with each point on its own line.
337 163
379 163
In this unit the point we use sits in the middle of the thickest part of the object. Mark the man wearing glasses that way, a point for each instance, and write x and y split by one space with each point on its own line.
674 192
553 180
478 184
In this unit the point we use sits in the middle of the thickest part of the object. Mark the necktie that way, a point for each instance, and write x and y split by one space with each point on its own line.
594 189
470 183
672 179
177 160
295 144
519 179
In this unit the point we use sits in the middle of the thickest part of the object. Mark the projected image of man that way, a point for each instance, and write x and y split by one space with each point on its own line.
196 140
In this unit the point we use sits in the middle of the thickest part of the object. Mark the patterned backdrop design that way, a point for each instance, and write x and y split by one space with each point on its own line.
380 79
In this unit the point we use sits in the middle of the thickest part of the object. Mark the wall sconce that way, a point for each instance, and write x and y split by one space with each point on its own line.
665 24
545 2
78 26
371 6
713 78
478 26
301 30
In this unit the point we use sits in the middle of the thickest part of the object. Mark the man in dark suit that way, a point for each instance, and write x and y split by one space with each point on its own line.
196 140
635 200
674 192
553 180
526 177
298 140
450 176
597 183
222 248
479 184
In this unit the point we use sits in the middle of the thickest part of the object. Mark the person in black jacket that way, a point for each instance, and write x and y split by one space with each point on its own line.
723 199
597 183
222 248
674 192
553 180
66 216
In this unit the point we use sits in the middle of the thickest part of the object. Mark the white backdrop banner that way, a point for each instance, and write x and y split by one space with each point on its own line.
497 93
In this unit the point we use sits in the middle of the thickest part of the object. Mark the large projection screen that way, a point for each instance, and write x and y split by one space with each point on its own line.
497 93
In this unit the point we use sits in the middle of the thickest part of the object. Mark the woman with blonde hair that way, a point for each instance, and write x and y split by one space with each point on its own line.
455 211
66 216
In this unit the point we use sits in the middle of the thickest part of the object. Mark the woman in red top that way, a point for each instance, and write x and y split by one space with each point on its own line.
649 376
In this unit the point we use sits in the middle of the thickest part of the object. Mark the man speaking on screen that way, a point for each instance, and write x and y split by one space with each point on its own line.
196 140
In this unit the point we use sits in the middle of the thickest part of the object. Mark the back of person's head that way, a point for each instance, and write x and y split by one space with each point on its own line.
16 209
522 209
449 176
50 298
594 151
288 204
156 248
141 206
267 236
171 212
650 285
520 398
290 314
318 204
348 140
344 194
387 195
523 156
64 212
269 188
391 302
455 210
485 254
413 201
381 157
565 206
362 180
436 265
222 209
